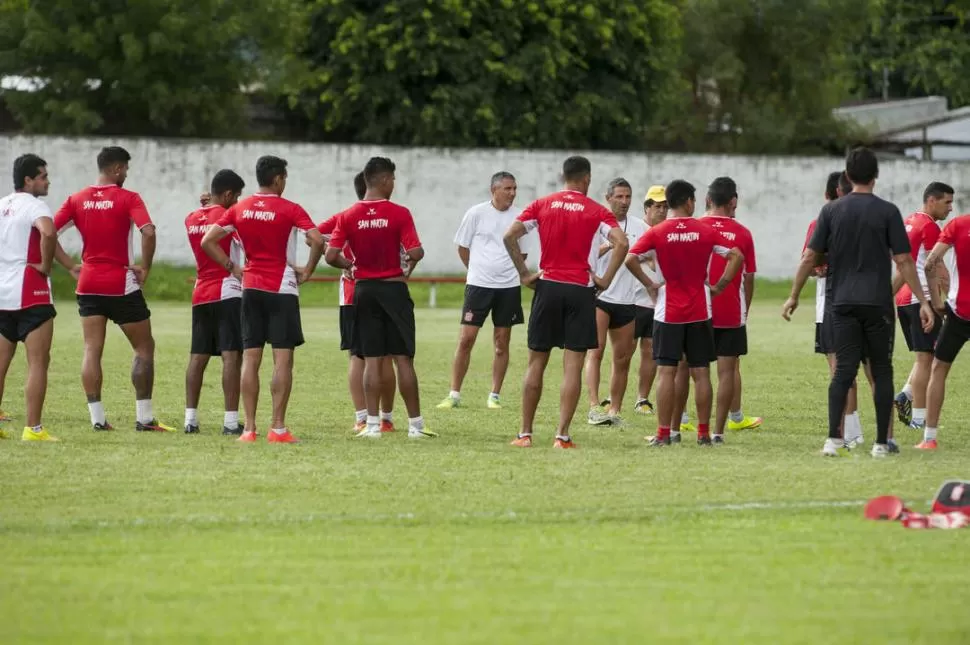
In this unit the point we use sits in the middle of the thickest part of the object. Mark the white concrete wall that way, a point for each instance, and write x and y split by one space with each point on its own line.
779 195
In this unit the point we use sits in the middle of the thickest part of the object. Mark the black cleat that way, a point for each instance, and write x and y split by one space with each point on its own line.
103 427
704 440
233 432
904 408
717 440
893 447
674 437
656 442
191 429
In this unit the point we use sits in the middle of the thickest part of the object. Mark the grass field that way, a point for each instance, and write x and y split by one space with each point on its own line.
125 538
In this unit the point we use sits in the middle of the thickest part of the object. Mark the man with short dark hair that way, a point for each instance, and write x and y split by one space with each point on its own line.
375 231
267 226
216 307
110 283
683 248
563 309
616 314
923 229
491 286
355 369
28 241
654 212
857 234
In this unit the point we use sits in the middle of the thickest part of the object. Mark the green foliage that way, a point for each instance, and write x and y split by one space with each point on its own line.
171 67
542 73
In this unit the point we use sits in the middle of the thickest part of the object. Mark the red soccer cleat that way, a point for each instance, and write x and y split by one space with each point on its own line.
565 444
248 437
281 437
387 426
523 441
927 444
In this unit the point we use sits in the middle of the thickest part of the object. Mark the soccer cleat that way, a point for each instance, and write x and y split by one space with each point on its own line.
834 448
746 423
927 444
360 425
191 429
449 403
904 408
657 442
616 420
717 440
233 432
493 404
597 417
248 437
880 451
41 435
675 437
386 426
855 441
103 427
4 417
893 447
704 440
643 406
564 444
917 425
522 441
420 433
152 426
281 437
605 404
370 432
687 427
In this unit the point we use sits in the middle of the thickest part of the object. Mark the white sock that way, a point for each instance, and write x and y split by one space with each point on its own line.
908 391
674 432
387 416
191 417
373 422
562 437
929 434
96 410
416 423
852 427
278 430
454 394
231 419
684 419
737 417
143 411
919 414
493 396
360 416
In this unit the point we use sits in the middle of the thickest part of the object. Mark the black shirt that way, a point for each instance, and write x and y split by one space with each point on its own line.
859 233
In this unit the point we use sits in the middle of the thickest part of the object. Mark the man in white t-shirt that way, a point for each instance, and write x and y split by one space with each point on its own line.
616 313
654 212
28 242
491 286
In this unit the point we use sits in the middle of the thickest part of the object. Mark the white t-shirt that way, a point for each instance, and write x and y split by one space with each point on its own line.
20 285
625 287
819 299
481 231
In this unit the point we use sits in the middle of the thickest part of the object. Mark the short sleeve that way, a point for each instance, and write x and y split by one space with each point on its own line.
326 227
409 234
467 228
339 235
645 245
898 240
228 219
40 210
530 216
949 234
65 215
137 211
820 238
300 218
808 235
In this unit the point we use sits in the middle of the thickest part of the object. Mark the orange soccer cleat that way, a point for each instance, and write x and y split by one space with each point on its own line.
564 444
281 437
522 441
248 437
387 426
927 444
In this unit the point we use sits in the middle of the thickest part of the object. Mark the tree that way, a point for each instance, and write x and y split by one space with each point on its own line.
170 67
513 73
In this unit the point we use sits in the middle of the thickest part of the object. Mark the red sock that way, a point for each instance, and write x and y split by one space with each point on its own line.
663 432
703 430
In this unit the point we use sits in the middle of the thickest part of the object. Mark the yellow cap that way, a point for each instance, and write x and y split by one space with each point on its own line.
657 194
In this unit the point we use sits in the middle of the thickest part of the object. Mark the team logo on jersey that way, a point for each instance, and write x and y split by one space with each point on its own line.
259 204
681 225
371 211
99 194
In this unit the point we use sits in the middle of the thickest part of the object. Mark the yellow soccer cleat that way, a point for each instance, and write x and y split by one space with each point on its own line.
449 403
493 404
747 423
688 427
41 435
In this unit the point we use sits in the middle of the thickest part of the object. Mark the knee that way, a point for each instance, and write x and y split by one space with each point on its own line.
465 344
501 350
146 350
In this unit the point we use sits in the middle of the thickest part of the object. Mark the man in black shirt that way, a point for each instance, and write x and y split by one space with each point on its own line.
856 235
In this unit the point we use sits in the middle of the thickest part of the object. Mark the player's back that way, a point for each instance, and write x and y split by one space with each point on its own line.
212 282
376 232
729 306
683 247
21 286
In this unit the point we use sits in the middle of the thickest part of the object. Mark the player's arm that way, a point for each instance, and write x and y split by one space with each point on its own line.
317 247
812 256
62 221
735 260
210 244
748 290
511 239
464 254
634 264
643 252
139 216
411 243
48 244
465 235
899 245
934 262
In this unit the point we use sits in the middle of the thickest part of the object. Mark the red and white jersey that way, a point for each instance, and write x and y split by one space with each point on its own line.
347 285
267 225
21 286
212 282
683 247
957 235
729 308
819 281
923 232
568 223
376 233
106 217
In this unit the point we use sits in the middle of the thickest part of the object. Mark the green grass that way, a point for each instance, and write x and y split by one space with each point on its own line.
117 538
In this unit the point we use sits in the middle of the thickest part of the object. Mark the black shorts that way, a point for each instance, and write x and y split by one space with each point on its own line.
347 329
675 341
620 315
121 310
644 323
954 333
272 318
917 340
217 327
16 324
505 306
731 341
383 319
563 316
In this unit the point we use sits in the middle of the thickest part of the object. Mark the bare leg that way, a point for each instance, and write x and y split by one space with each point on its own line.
501 337
252 358
7 351
93 329
936 392
388 385
667 396
594 358
194 374
681 391
408 383
281 385
231 371
372 385
726 375
532 388
920 378
703 394
572 377
736 396
38 346
355 382
463 355
139 335
623 343
648 368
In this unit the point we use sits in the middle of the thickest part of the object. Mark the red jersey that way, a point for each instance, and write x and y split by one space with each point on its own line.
376 232
105 216
326 229
957 235
729 307
266 226
923 232
212 282
683 248
568 222
821 272
21 286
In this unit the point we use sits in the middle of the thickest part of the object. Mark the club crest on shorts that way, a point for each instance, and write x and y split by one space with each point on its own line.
469 316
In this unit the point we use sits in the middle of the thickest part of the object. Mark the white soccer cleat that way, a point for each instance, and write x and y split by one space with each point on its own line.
420 433
370 432
834 448
880 451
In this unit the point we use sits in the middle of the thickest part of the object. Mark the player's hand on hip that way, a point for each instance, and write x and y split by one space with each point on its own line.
39 268
599 282
529 280
237 273
927 317
76 272
789 308
141 273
